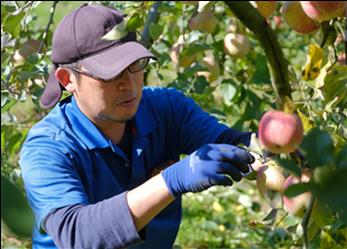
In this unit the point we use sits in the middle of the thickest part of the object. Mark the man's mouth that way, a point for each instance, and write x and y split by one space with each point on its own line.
130 101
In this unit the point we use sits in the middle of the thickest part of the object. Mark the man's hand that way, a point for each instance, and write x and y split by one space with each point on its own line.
212 164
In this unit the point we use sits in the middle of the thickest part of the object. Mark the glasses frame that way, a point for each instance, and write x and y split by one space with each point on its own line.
91 75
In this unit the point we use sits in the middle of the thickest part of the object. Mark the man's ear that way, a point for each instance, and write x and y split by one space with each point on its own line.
63 76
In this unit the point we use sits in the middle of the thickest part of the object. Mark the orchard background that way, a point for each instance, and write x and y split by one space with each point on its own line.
238 60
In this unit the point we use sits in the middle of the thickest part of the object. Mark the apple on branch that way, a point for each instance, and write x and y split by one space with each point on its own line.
296 18
204 21
270 182
298 204
29 47
265 8
280 132
324 10
236 45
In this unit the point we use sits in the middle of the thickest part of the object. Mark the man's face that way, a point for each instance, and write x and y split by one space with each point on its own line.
107 102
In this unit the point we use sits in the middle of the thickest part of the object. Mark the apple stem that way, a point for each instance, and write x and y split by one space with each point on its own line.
305 221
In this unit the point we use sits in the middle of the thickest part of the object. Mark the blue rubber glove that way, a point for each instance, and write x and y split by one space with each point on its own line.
212 164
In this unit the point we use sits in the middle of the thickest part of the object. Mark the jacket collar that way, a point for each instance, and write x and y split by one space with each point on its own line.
93 138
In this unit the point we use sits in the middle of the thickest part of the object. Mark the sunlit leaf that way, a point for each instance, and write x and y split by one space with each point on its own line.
203 5
134 22
335 85
12 24
314 62
116 33
228 92
306 122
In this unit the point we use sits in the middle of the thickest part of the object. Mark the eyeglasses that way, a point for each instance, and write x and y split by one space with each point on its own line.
135 67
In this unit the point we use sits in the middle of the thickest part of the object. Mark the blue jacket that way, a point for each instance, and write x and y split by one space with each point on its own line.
66 161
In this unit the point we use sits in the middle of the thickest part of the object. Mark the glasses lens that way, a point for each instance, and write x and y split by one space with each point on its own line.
138 65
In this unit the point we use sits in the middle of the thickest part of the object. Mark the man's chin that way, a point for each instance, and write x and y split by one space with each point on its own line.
119 119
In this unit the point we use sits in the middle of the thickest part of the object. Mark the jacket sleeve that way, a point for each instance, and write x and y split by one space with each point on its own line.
106 224
61 205
193 126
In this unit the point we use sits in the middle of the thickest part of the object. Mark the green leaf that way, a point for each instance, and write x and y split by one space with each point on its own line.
271 217
341 160
335 85
289 165
228 92
332 188
261 74
200 85
6 10
15 210
116 33
12 24
14 142
318 148
6 103
155 30
193 49
299 188
4 131
134 22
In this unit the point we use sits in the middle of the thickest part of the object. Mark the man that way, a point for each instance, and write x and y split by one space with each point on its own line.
102 170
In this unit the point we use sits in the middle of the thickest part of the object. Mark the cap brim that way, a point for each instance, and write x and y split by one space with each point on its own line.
52 92
109 63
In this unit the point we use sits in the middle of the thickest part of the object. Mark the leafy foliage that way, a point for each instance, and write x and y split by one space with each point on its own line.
236 90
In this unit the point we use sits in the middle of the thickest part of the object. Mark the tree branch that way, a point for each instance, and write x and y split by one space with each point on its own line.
50 21
278 65
152 18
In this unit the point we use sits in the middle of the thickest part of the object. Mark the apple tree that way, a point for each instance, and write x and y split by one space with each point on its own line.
277 68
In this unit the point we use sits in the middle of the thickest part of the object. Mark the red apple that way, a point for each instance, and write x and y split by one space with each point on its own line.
295 17
269 177
203 21
236 45
278 21
29 47
270 182
323 10
265 8
280 132
298 204
341 59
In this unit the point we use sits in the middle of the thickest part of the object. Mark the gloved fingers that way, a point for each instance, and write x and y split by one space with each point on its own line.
230 170
220 179
206 152
227 152
238 157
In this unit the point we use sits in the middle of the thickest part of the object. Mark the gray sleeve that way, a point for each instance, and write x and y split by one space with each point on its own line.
106 224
